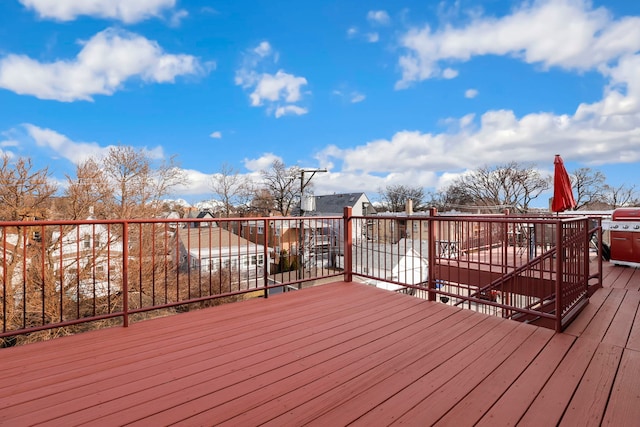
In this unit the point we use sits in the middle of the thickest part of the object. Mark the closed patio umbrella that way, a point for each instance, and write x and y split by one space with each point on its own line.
562 192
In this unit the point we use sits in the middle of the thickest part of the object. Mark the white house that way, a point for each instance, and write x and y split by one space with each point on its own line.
90 256
214 248
334 204
405 262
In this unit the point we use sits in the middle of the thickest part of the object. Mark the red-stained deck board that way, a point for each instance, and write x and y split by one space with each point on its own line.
335 354
438 403
590 399
615 276
184 345
478 401
516 400
600 323
620 328
118 337
356 356
623 408
622 280
151 371
587 314
439 370
246 350
358 360
549 405
419 351
319 351
633 342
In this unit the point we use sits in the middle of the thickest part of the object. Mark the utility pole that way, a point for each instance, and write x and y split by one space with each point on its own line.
303 184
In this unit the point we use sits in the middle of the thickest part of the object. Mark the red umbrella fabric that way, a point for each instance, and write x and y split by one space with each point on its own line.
562 192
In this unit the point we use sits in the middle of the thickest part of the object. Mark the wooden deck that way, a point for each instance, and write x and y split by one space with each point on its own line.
338 354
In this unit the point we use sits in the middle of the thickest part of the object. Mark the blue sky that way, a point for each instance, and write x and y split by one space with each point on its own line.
379 92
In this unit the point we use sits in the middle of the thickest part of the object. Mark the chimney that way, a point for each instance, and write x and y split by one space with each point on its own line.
409 207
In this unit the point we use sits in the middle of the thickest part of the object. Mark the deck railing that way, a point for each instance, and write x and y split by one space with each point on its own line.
56 276
529 268
60 277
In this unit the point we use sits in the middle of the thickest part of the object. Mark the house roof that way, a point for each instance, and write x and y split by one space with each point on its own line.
212 238
205 214
334 204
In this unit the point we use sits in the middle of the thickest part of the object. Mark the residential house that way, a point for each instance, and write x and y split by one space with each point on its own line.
215 248
89 258
205 218
405 261
323 239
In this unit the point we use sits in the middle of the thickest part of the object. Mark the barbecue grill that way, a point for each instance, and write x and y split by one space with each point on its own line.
625 237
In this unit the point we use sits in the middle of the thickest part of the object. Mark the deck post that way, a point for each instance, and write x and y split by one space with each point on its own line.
265 269
125 274
348 244
559 274
431 255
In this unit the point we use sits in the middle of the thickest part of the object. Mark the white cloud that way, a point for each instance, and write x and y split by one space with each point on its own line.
532 33
105 62
373 37
177 17
352 31
128 11
75 152
290 110
357 97
209 10
379 17
9 143
353 97
197 183
263 49
470 93
449 73
279 92
603 132
216 135
262 163
275 87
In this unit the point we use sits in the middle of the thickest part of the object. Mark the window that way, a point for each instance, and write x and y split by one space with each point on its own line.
261 229
87 241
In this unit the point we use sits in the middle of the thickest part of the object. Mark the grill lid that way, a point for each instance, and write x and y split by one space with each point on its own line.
626 214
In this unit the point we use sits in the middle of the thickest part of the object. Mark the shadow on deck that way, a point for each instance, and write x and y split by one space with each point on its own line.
337 354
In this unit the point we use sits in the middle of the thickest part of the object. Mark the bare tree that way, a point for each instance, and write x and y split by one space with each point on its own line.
452 198
25 194
87 193
138 183
622 195
588 185
512 185
262 203
282 186
233 189
395 197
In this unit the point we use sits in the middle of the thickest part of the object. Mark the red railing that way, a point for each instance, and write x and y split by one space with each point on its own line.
534 269
64 274
61 277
